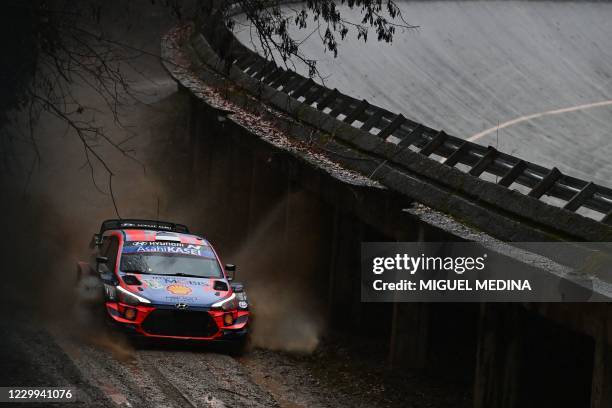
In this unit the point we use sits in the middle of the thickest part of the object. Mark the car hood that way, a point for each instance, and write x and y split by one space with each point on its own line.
170 290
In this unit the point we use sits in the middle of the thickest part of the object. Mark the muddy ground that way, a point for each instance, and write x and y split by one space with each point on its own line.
110 371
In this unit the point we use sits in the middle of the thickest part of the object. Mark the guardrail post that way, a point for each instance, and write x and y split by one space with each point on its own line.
303 88
354 115
328 99
434 143
314 95
339 108
545 184
580 197
265 71
246 61
297 86
274 75
373 120
484 162
256 67
513 174
293 83
457 154
392 127
281 79
412 137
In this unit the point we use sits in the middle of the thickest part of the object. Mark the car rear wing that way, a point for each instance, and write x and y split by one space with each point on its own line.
140 224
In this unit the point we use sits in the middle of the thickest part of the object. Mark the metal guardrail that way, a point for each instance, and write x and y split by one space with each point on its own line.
387 126
487 163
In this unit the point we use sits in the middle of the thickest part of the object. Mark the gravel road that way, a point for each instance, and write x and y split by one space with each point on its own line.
108 370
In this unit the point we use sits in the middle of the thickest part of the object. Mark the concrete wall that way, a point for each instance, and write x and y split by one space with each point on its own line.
514 356
500 211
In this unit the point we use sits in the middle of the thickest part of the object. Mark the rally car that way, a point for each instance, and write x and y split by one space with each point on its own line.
159 281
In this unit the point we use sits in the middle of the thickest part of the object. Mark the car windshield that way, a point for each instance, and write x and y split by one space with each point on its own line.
171 264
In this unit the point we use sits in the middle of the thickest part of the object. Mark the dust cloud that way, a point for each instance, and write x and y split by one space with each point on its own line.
279 264
50 218
53 204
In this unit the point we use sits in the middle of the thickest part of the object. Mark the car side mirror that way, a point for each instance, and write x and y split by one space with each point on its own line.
102 265
230 271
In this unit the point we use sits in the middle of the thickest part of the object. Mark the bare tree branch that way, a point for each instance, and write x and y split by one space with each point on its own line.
272 25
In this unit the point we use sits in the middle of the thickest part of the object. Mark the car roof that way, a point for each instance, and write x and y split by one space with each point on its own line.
151 230
147 235
132 223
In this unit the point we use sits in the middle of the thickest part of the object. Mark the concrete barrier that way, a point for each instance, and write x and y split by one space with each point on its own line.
303 100
251 169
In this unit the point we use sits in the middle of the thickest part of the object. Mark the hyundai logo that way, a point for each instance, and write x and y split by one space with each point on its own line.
181 306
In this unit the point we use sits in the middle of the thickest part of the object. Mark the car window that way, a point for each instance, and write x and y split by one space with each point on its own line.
171 264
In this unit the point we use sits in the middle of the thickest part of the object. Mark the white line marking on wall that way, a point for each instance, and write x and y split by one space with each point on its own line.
486 132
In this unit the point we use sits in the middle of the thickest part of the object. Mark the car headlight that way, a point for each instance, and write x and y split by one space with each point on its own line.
229 303
125 296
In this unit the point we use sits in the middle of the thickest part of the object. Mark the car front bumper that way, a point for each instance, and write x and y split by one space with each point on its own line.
167 322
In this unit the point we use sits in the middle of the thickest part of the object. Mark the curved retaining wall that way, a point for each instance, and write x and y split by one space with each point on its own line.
402 145
236 161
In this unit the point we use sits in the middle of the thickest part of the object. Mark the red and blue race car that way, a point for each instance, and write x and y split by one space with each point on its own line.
160 281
